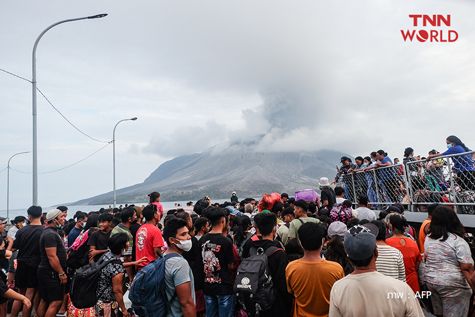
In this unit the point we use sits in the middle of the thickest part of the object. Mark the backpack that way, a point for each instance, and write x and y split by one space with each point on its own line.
85 281
340 213
253 284
78 252
148 290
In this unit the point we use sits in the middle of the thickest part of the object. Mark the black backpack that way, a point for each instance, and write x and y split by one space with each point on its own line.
85 281
253 285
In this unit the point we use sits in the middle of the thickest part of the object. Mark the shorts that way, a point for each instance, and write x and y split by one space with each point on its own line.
49 286
26 276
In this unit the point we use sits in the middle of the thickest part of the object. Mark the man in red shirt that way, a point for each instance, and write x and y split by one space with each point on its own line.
149 240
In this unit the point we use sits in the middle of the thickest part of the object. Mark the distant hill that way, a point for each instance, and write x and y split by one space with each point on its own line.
217 174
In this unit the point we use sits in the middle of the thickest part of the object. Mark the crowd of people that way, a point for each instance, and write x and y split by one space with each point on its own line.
276 256
416 178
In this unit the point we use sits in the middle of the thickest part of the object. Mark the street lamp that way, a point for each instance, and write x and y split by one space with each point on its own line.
33 82
8 182
113 153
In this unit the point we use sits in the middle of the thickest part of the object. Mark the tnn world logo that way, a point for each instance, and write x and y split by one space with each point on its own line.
430 28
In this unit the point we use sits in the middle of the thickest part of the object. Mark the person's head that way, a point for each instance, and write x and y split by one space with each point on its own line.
154 197
444 221
311 236
81 219
452 140
381 230
323 182
105 221
373 156
266 223
34 213
300 208
92 221
336 228
345 161
277 208
55 218
396 160
380 155
359 160
430 209
288 214
128 215
118 243
339 191
216 216
177 235
185 216
363 200
360 246
367 160
397 223
248 208
150 213
284 197
19 221
3 223
409 152
201 225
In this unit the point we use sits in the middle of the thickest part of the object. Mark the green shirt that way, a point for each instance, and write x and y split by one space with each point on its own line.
120 228
296 223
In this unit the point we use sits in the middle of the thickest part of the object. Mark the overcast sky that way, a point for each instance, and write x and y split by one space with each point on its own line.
285 75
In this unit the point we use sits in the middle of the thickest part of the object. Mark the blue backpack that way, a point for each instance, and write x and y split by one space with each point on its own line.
148 290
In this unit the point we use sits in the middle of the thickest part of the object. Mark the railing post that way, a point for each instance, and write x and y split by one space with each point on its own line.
408 182
354 188
452 184
376 187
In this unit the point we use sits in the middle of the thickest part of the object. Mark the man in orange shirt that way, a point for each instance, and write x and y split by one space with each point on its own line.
311 278
424 229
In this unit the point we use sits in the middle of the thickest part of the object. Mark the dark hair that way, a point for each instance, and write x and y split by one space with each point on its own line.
214 214
277 208
352 222
453 139
367 158
444 221
302 204
398 222
431 208
336 252
373 154
62 208
35 212
363 200
149 212
381 230
117 243
92 220
284 195
311 235
287 211
312 207
363 221
200 223
153 196
381 152
105 217
79 215
240 225
339 190
172 227
265 222
359 158
182 215
408 151
126 214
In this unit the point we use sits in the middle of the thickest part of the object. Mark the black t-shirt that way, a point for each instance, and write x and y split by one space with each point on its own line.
328 194
217 254
51 239
27 242
194 260
100 240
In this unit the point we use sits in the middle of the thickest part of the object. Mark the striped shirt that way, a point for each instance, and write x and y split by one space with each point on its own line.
390 262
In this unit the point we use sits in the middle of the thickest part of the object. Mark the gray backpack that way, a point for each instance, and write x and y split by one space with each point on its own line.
253 285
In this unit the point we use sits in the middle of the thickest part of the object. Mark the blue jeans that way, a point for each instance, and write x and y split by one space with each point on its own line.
219 305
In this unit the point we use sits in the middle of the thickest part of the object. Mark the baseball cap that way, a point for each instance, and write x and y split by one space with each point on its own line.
373 229
337 228
359 243
3 221
53 214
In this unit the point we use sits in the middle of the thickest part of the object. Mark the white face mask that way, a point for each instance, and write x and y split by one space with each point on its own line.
185 245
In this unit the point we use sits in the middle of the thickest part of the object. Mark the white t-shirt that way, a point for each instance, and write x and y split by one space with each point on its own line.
340 200
373 294
364 213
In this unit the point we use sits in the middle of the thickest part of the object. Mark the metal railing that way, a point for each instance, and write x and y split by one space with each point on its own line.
448 180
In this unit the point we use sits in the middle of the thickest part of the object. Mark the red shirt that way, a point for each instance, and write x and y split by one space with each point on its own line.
148 238
411 256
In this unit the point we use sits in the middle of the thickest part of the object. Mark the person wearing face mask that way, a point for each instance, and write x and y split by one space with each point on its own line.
463 164
81 219
179 280
266 224
52 278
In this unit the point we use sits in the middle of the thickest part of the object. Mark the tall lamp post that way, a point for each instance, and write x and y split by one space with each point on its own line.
8 182
113 153
33 82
